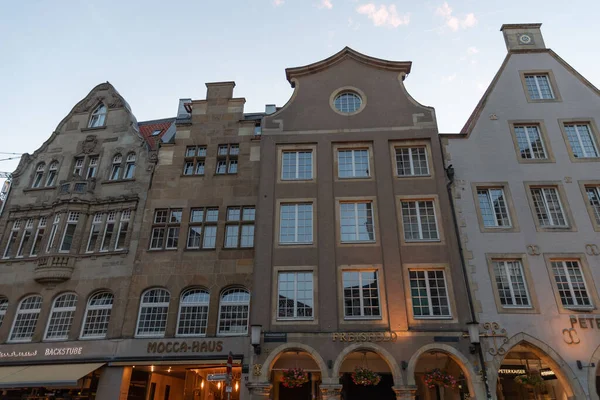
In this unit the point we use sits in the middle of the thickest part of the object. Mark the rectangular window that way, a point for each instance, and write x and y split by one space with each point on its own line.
593 194
92 168
296 223
202 231
195 157
356 222
297 165
227 158
165 230
239 231
94 232
429 294
531 144
538 86
570 283
53 233
581 140
511 285
353 163
412 161
493 207
25 238
548 207
123 228
78 167
108 230
12 238
361 295
295 295
39 236
69 233
419 220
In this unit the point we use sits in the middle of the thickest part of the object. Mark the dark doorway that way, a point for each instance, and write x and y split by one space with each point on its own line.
382 391
299 393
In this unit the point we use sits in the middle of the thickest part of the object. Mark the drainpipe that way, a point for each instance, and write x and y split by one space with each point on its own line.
450 175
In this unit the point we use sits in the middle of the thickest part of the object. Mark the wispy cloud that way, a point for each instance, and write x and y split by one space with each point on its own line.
325 4
453 22
278 3
472 50
383 15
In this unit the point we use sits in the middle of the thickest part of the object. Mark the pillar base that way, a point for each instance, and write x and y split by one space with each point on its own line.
405 392
259 390
331 392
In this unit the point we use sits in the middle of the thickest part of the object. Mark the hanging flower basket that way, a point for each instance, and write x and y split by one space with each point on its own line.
438 377
365 377
294 378
530 380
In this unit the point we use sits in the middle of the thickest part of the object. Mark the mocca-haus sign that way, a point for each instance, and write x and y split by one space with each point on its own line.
192 346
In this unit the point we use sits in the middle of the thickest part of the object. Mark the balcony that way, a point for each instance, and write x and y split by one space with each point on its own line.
54 269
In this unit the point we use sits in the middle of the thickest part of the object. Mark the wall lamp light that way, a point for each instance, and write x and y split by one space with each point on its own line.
255 332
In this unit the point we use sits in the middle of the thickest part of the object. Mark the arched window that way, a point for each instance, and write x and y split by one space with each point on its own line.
193 313
233 312
3 308
61 317
98 116
129 166
154 308
52 173
39 173
115 171
97 316
26 319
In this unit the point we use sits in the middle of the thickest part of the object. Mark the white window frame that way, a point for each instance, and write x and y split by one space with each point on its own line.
504 265
537 85
39 175
193 304
124 220
297 165
526 129
295 299
595 207
28 311
39 233
89 308
12 238
161 304
92 168
592 139
111 219
98 117
28 229
356 225
53 231
428 289
52 174
544 189
115 169
411 160
361 298
570 284
96 222
129 166
72 309
491 204
353 163
233 303
3 308
419 223
296 241
72 219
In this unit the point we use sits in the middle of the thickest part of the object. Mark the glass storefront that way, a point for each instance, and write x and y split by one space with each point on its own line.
84 390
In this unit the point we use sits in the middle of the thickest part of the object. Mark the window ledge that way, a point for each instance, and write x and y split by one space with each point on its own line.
436 318
31 189
95 128
362 319
296 243
295 319
192 175
359 242
580 309
228 174
413 176
422 241
108 182
199 249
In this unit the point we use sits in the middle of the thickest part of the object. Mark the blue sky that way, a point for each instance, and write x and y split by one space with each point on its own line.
155 52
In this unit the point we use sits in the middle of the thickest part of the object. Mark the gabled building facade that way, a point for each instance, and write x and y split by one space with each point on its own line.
357 264
527 197
71 230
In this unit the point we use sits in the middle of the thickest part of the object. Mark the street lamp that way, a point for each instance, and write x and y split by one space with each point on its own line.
473 332
255 332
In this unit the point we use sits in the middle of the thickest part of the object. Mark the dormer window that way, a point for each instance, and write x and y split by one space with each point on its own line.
52 173
39 173
115 172
129 166
98 116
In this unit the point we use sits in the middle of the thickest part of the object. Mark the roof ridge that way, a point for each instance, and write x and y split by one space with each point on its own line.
155 121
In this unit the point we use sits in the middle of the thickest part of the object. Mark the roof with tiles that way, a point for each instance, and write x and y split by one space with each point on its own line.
154 130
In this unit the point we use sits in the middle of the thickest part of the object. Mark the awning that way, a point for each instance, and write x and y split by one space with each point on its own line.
65 375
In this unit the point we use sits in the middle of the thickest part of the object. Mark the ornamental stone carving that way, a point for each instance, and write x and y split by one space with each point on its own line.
89 145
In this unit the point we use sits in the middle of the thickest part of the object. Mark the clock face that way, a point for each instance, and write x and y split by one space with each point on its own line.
525 39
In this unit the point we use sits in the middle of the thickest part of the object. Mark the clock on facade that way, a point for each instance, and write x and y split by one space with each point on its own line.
525 39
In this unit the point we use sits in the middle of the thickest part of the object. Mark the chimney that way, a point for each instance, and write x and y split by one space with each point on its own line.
523 36
270 109
219 90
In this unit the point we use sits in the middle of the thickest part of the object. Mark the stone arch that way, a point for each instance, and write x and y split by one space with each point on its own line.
564 373
464 363
383 353
592 374
277 352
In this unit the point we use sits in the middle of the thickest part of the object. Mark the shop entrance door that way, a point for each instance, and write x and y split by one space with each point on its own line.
301 393
382 391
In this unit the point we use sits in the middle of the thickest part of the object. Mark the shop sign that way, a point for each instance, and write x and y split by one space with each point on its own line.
184 346
275 337
364 337
48 351
512 370
216 377
547 374
584 322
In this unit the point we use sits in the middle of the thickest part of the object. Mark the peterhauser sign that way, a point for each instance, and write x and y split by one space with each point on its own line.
364 337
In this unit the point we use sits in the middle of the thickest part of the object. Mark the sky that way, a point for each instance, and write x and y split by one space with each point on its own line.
52 53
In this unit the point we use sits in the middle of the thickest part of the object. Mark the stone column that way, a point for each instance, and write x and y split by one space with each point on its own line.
405 392
114 383
331 392
259 390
